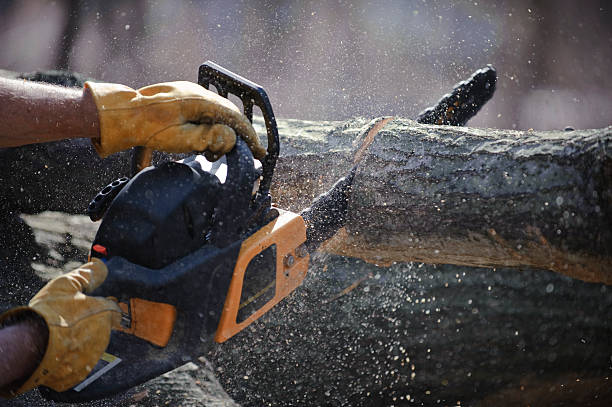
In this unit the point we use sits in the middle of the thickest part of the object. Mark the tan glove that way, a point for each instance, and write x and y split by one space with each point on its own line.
79 327
176 117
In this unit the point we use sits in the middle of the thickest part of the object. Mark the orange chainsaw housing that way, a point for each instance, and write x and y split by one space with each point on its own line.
154 321
288 233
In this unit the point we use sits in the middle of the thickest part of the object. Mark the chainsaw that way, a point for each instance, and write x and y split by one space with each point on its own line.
196 251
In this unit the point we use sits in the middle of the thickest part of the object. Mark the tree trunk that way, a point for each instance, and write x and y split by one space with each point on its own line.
452 195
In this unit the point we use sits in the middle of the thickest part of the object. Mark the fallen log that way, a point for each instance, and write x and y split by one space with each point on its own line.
433 194
455 195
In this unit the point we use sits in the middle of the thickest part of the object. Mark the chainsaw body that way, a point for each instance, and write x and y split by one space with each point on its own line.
195 253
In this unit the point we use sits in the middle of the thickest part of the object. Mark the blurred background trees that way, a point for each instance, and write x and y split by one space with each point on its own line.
338 59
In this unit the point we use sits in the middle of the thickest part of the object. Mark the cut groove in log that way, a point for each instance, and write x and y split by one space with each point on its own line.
369 138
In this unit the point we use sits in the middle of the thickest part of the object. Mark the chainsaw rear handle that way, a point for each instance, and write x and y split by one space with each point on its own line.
251 94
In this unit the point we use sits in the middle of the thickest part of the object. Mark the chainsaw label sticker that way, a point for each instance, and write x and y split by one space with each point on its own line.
106 363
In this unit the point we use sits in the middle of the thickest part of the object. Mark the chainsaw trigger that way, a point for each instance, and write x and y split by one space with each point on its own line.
126 319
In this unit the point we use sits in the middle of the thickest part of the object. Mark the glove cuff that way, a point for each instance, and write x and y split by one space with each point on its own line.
79 328
67 362
113 102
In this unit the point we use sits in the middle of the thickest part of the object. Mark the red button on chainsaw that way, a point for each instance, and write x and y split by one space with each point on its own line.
98 248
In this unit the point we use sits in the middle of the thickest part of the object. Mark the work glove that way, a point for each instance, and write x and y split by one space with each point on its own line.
79 327
176 117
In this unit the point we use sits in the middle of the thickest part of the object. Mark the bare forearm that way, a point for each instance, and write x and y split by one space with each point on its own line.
31 112
21 348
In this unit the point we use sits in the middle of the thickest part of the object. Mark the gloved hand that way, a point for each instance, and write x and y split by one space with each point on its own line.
176 117
79 327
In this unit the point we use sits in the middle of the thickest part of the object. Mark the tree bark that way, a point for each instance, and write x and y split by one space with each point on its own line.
453 195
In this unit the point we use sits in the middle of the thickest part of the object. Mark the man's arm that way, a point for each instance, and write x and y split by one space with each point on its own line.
73 331
22 346
176 117
31 112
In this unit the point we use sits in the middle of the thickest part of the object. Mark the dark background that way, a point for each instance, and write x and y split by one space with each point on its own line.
338 59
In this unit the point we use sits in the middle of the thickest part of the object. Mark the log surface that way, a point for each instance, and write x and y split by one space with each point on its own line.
360 335
477 197
355 334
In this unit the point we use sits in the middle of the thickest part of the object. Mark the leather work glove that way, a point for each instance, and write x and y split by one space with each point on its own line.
176 117
79 327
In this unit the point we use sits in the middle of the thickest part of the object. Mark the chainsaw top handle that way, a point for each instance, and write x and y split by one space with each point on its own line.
251 94
227 82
